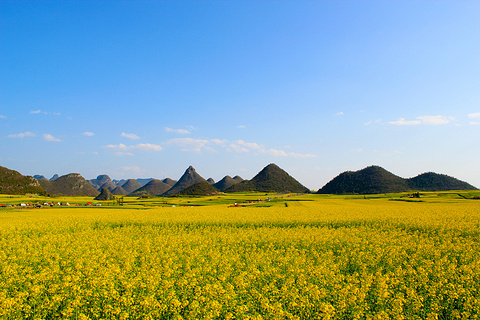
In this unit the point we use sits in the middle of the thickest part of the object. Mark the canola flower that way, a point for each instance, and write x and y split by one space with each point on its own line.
322 259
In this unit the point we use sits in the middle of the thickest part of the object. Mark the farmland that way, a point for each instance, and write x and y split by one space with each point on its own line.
285 257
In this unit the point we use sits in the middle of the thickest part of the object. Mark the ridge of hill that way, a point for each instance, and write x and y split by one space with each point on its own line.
226 183
13 182
271 179
375 180
431 181
39 177
155 188
189 178
211 181
202 188
54 177
131 185
105 195
72 184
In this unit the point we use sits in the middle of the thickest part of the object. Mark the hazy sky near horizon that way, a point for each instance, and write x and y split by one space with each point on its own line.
146 88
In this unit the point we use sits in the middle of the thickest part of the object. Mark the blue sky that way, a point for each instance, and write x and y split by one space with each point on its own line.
146 88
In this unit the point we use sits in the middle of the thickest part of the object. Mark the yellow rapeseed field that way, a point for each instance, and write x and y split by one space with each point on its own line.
321 259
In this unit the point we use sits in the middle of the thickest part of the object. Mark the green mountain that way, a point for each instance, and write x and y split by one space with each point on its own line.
109 185
189 178
131 185
211 181
13 182
375 180
154 187
226 183
370 180
105 195
432 181
72 184
119 191
270 179
202 188
100 181
169 181
238 178
39 177
144 181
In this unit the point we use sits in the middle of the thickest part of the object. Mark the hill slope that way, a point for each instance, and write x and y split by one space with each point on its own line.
271 179
189 178
13 182
72 184
155 188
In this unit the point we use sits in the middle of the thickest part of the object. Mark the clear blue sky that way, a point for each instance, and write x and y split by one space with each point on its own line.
146 88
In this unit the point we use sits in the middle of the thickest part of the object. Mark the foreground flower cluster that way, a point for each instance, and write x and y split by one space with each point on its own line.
314 260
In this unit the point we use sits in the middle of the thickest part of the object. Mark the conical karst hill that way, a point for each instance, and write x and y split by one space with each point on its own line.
238 178
271 179
100 181
226 183
144 181
431 181
211 181
105 195
72 184
169 181
131 185
109 185
370 180
189 178
155 188
119 191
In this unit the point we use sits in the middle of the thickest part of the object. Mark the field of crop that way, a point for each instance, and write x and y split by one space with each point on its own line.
298 257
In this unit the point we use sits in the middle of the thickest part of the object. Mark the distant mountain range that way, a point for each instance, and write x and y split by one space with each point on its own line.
72 184
375 180
370 180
